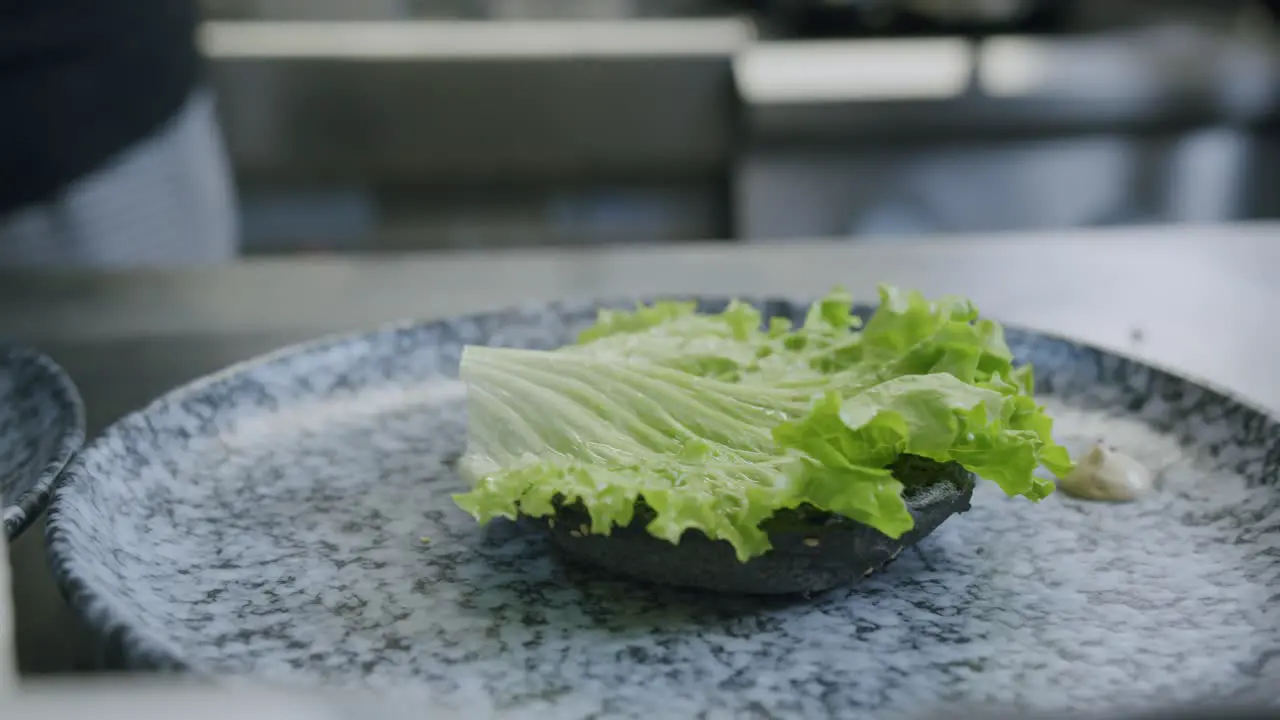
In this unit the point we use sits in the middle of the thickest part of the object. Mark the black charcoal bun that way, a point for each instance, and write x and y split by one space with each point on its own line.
811 551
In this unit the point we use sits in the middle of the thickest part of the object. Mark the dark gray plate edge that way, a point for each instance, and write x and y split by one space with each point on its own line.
125 648
67 397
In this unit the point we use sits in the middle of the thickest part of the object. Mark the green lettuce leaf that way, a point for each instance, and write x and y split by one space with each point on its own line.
715 422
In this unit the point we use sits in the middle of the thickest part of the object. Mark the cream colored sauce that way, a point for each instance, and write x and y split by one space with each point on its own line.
1106 474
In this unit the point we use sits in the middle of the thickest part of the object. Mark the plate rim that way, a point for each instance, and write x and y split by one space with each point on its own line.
28 506
126 647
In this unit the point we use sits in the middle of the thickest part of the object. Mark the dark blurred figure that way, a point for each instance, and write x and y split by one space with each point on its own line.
109 150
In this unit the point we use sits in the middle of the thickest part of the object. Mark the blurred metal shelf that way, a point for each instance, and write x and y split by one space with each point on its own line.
880 138
414 134
863 91
459 101
461 9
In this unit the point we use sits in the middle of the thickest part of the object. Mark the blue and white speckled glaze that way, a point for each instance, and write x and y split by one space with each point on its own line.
41 425
266 522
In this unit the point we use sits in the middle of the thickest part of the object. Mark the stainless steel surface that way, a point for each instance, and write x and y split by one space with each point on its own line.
983 12
456 101
434 134
875 89
458 9
443 216
1198 299
464 101
1206 175
156 700
885 138
8 644
430 134
165 698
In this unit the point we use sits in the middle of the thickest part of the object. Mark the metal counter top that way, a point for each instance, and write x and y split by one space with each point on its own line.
1201 300
1196 298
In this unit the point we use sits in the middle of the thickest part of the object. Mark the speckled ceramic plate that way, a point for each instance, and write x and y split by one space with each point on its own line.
41 425
267 521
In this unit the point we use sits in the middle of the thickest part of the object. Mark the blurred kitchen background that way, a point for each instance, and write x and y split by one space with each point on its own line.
365 125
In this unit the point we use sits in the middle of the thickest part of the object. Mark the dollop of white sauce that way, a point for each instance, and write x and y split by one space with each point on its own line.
1104 473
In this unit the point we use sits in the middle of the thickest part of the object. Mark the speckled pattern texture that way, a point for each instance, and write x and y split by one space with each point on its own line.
41 425
269 521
